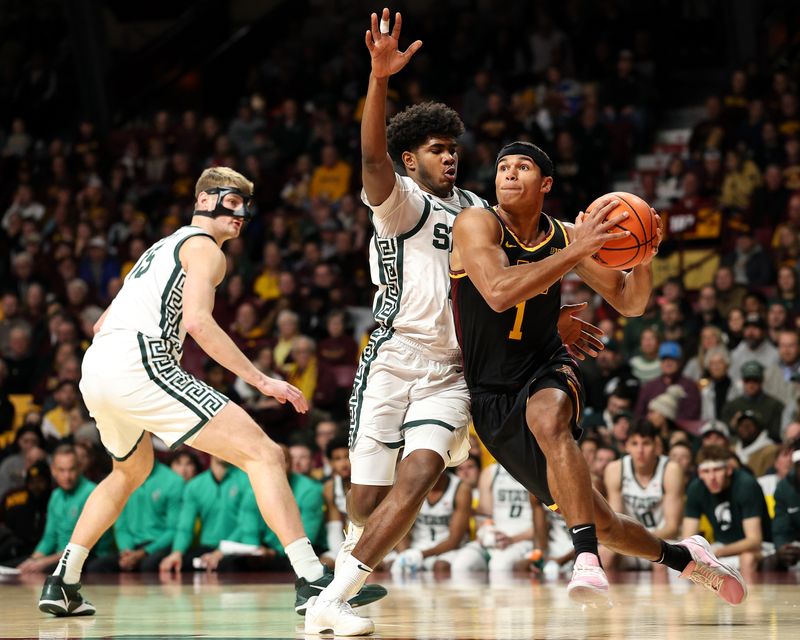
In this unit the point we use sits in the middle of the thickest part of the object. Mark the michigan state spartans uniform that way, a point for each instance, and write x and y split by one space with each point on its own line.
432 525
340 495
131 380
646 504
511 514
409 390
509 356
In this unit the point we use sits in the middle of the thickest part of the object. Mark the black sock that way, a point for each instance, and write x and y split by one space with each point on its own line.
584 539
675 556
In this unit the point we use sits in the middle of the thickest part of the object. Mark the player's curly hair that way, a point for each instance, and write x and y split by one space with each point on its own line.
414 125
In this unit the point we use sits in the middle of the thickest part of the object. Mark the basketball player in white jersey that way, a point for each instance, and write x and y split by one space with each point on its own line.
133 385
334 492
507 537
409 391
646 486
440 529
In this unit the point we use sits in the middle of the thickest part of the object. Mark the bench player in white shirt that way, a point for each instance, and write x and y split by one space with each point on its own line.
409 391
133 385
440 530
334 492
646 486
505 539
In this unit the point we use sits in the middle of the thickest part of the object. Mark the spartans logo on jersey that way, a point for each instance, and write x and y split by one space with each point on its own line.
723 515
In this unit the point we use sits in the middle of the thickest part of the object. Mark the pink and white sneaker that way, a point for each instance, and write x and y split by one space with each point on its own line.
712 574
589 584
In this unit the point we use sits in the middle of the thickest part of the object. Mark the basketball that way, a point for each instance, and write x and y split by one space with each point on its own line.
626 253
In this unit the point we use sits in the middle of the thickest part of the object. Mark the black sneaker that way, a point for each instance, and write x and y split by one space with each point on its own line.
63 599
304 590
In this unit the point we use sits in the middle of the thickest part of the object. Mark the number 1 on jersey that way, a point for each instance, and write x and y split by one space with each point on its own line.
516 330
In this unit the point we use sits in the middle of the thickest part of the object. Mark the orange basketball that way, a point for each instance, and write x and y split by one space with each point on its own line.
626 253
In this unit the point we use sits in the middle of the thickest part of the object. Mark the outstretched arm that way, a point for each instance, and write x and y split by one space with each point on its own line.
377 171
476 239
626 292
204 264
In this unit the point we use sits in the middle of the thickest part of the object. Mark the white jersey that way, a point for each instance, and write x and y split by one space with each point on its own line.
339 495
150 302
644 503
432 525
558 538
511 505
409 260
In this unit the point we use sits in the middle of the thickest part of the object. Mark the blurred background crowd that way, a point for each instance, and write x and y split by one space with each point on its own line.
107 117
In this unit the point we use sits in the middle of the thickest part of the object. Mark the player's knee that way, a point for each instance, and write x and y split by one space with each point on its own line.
265 452
549 426
131 476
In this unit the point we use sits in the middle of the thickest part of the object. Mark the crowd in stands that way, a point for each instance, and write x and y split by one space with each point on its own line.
714 370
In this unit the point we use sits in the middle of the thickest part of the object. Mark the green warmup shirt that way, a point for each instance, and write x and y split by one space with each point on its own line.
215 504
728 509
786 526
63 510
307 493
149 519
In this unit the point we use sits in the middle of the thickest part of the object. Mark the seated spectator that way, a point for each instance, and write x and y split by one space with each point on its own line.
778 380
311 376
645 485
145 529
439 531
20 360
674 327
707 312
718 388
63 508
331 180
55 423
324 432
786 526
186 464
603 456
301 458
334 492
742 178
28 449
787 291
754 346
251 529
339 348
288 324
681 454
715 433
662 411
608 368
23 514
245 331
710 338
645 364
734 505
768 409
211 499
780 467
730 294
603 422
670 355
754 448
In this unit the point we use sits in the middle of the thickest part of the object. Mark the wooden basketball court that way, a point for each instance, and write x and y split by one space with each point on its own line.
423 607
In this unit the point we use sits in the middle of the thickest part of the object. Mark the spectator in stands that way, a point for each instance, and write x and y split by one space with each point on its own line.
778 378
734 505
245 331
786 525
55 424
266 282
645 364
730 294
754 347
145 529
603 421
787 291
186 464
708 130
715 433
20 360
312 377
770 200
23 513
603 456
662 410
681 454
7 410
339 348
710 338
670 355
63 508
98 267
324 432
749 262
301 457
742 178
674 327
768 409
288 331
331 180
754 448
28 449
212 499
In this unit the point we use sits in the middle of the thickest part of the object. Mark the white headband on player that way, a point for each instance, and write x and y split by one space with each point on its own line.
710 465
796 455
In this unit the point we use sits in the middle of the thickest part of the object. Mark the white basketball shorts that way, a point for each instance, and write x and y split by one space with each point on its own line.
405 398
131 384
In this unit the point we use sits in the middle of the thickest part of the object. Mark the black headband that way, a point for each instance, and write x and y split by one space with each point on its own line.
529 149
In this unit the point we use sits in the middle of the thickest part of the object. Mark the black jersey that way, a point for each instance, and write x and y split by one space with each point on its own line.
502 350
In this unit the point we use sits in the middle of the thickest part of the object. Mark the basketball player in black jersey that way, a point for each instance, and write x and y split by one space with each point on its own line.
506 268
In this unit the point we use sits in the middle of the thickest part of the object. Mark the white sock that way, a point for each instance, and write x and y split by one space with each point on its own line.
71 563
304 561
347 581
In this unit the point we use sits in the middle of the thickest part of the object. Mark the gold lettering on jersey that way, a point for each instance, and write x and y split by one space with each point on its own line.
521 261
554 250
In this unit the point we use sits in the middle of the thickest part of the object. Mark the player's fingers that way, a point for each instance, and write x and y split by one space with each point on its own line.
610 223
604 207
376 32
572 308
412 48
575 353
616 236
593 341
368 40
589 328
398 22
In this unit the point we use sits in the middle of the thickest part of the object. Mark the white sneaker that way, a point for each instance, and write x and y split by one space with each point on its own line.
589 584
337 617
351 537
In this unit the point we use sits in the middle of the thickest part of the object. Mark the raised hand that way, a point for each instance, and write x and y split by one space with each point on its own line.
387 59
579 337
593 230
283 392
